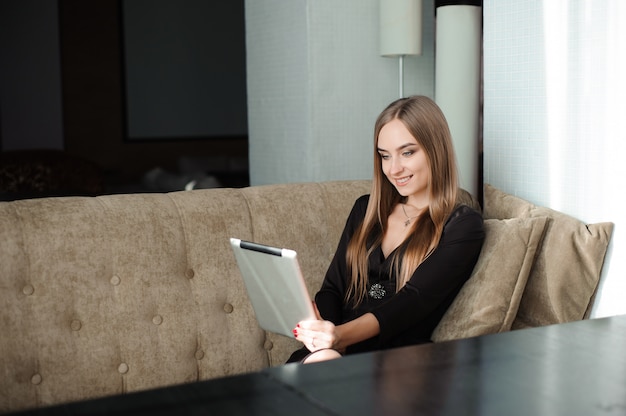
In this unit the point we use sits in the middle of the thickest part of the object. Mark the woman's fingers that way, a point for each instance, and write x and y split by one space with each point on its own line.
315 334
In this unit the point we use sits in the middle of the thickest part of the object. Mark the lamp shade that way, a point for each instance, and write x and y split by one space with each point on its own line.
400 27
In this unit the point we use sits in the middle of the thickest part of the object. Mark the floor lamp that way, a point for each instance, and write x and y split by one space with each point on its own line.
400 32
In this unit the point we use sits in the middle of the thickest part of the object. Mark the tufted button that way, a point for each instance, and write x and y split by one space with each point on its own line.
123 368
36 379
199 355
76 325
228 308
115 280
157 320
28 290
190 273
268 345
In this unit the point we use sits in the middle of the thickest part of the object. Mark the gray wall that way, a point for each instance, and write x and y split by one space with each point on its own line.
316 84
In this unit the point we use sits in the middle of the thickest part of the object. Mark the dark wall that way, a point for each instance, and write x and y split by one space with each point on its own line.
93 108
184 68
30 75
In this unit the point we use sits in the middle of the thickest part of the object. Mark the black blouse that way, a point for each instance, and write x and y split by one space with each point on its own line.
409 316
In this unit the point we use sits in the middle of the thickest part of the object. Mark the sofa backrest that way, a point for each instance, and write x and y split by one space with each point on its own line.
104 295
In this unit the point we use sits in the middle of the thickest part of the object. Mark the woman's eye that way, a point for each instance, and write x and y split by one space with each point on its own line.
384 157
408 153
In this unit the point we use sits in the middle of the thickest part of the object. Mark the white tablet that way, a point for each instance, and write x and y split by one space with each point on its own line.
274 284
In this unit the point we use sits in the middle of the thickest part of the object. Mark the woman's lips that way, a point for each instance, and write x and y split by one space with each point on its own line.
403 181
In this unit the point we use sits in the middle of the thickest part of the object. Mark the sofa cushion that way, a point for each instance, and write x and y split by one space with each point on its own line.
565 277
489 300
464 197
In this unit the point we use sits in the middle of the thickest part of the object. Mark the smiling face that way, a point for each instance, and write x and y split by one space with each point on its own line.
404 162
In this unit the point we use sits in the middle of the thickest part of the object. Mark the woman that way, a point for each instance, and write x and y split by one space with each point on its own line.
407 248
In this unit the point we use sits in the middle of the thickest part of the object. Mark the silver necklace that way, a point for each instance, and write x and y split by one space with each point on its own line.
408 219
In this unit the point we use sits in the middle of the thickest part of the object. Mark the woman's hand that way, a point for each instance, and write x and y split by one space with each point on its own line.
317 333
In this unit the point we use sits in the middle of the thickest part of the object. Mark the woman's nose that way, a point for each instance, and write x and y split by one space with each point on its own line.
396 166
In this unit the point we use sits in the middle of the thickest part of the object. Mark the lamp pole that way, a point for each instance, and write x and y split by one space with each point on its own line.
401 76
400 32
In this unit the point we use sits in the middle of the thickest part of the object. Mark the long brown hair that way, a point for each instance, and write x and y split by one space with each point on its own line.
427 124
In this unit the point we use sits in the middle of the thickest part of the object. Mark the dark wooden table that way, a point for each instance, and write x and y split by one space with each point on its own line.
570 369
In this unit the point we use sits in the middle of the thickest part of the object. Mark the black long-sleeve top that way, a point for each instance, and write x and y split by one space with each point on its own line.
409 316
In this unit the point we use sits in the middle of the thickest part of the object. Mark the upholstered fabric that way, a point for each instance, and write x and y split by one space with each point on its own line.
464 197
489 300
566 273
119 293
111 294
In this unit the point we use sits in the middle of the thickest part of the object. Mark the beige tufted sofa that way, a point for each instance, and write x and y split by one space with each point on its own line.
112 294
